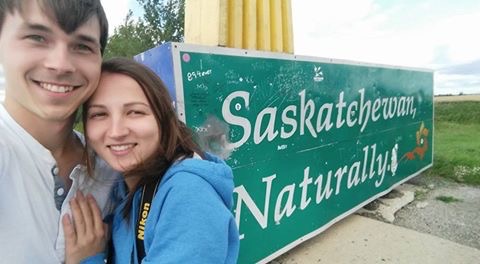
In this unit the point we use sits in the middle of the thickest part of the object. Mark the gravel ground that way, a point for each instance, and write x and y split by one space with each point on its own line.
457 221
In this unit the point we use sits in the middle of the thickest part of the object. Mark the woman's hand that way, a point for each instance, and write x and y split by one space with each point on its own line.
87 235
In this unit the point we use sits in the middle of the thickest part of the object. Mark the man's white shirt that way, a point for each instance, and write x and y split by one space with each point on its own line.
30 224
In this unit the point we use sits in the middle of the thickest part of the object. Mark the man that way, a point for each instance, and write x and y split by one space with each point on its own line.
51 52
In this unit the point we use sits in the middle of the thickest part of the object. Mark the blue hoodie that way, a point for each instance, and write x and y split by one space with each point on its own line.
189 220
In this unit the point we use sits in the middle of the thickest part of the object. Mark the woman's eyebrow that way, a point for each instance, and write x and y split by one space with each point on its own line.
137 103
95 106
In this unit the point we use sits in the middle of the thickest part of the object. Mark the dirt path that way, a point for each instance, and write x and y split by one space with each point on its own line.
457 221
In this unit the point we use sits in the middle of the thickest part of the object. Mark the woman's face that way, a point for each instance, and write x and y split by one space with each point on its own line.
121 126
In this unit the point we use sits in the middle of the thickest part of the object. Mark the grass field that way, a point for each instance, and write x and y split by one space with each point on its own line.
457 141
457 98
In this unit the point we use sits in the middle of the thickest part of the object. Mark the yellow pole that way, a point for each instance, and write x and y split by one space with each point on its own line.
263 24
287 26
276 26
192 25
249 24
205 22
223 23
235 27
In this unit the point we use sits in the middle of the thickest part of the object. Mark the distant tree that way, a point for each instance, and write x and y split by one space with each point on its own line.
128 39
162 21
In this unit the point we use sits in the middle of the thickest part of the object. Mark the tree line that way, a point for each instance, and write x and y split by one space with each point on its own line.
162 21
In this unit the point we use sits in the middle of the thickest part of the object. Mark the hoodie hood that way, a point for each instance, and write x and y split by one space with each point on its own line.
189 218
211 169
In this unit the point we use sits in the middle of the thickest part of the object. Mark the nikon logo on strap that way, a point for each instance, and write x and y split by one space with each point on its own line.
141 224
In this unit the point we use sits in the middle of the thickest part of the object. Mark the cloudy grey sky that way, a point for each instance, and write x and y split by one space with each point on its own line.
434 34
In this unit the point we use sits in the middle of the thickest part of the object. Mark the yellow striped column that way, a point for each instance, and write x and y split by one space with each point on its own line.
205 22
287 26
276 32
235 24
263 25
247 24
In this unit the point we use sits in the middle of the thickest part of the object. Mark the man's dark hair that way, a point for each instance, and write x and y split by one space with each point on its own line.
69 14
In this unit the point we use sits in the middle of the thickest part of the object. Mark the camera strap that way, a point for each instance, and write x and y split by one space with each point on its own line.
148 193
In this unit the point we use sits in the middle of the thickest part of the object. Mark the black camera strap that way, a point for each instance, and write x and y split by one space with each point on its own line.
148 193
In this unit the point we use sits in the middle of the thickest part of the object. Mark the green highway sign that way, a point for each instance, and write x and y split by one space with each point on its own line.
310 140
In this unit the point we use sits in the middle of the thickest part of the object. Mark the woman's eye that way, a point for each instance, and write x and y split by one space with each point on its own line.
96 115
135 113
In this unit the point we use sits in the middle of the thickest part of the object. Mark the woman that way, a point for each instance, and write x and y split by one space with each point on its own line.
175 200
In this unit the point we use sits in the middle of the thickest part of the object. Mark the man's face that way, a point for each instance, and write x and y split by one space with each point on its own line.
48 73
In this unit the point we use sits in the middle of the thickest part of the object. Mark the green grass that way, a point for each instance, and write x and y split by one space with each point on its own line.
78 121
78 127
448 199
420 195
457 142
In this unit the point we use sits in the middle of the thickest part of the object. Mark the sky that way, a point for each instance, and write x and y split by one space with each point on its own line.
433 34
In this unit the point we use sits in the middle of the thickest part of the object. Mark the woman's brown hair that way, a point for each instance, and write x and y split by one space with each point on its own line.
176 140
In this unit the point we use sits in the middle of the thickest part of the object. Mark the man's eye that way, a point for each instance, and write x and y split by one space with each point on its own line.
83 48
36 38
